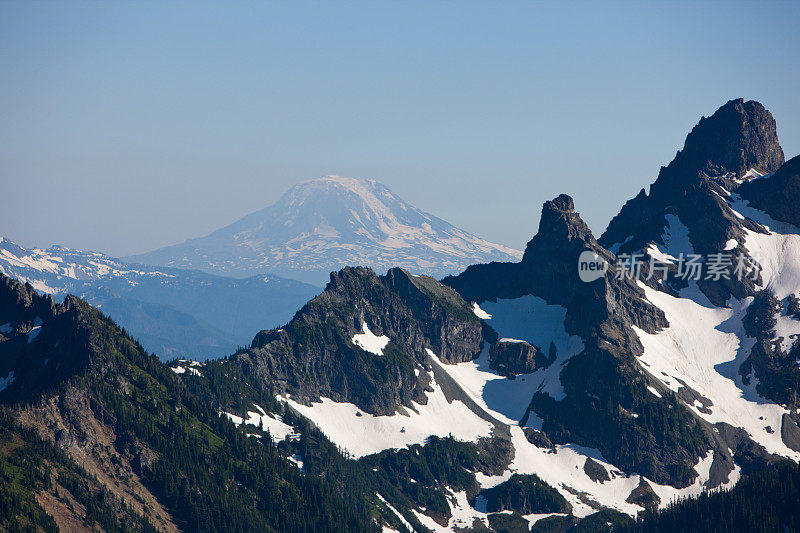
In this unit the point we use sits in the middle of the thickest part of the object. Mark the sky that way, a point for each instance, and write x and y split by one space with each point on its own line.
129 126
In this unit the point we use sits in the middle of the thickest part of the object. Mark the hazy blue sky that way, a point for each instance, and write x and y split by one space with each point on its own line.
128 126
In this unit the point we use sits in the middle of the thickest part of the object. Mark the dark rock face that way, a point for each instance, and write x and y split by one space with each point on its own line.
790 431
595 471
737 137
43 343
314 355
777 195
517 357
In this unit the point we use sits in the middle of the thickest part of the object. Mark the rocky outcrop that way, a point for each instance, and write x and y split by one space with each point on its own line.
776 370
738 137
595 471
644 496
512 356
790 431
549 270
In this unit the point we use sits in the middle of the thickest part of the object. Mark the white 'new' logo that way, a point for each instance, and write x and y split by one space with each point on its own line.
591 266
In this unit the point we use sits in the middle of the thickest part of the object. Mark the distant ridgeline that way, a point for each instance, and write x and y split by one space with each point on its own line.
172 312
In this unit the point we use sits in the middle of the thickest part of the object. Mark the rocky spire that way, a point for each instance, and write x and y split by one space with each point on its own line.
737 137
559 227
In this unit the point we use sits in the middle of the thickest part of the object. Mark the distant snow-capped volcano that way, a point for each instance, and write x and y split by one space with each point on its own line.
326 223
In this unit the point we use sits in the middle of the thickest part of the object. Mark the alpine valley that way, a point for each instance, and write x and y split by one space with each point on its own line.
512 396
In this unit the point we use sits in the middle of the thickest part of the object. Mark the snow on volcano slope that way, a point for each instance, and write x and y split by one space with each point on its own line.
330 222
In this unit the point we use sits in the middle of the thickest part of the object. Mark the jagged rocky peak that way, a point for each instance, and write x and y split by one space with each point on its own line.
719 151
362 339
38 344
738 137
560 224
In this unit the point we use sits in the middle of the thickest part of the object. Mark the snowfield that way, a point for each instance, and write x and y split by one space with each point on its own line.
367 434
565 467
704 345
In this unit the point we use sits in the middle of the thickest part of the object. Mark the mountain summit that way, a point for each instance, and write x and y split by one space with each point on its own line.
326 223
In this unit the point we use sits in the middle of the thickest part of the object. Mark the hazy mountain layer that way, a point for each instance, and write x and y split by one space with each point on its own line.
172 312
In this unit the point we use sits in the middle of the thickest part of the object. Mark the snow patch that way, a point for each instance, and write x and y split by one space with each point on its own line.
654 391
396 512
480 313
297 461
370 342
278 429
